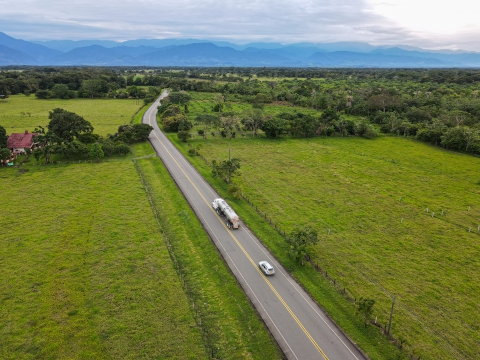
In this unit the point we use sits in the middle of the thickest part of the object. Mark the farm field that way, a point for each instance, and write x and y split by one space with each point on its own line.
105 115
368 199
85 270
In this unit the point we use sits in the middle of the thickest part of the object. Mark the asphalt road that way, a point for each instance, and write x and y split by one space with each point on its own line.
300 327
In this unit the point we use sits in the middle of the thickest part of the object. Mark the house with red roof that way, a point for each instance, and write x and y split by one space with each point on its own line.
17 143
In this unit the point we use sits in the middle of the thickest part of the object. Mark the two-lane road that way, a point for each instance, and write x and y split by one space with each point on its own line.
300 327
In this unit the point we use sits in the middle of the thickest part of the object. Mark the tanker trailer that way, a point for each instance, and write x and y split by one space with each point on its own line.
223 209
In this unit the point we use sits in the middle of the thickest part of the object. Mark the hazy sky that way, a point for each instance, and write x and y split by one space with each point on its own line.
426 23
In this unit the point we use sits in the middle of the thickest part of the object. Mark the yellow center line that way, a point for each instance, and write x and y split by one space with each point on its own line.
244 251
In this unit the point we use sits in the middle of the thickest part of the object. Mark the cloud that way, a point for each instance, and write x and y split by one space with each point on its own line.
239 21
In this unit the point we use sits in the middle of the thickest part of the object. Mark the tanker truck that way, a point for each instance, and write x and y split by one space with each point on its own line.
223 209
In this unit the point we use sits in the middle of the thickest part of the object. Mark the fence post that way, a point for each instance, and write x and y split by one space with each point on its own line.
391 315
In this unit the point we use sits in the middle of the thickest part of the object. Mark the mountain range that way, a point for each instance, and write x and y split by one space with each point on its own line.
192 52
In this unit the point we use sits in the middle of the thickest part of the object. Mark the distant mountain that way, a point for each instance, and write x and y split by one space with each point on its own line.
68 45
97 55
454 59
207 54
9 56
192 52
40 53
352 59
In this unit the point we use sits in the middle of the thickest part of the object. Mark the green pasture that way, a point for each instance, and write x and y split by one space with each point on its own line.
368 199
20 113
85 269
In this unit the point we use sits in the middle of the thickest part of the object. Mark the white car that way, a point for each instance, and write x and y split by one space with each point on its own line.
266 268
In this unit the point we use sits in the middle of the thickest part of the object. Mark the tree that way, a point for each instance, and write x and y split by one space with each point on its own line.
42 94
71 149
141 131
365 129
365 306
456 118
226 169
275 127
180 98
432 132
176 123
92 87
418 115
329 115
300 239
345 127
230 125
62 91
48 146
460 137
219 103
28 151
171 110
122 149
96 151
183 135
207 121
235 190
253 120
5 154
45 152
382 101
303 125
3 137
66 125
108 147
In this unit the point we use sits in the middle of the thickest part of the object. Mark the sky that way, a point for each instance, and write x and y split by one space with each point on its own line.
430 24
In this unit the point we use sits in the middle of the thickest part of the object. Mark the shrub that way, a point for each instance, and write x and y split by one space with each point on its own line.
122 149
183 135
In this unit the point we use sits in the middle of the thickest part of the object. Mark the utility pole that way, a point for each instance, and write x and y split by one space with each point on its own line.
391 315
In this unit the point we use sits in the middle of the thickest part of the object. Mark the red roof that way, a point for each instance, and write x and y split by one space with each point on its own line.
20 140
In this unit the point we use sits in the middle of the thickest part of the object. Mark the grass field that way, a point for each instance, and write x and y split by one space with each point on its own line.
85 270
105 115
373 197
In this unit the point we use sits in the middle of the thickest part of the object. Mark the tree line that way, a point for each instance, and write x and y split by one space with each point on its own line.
68 83
70 136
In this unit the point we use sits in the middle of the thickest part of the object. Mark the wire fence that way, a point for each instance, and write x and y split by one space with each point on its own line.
201 319
400 309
